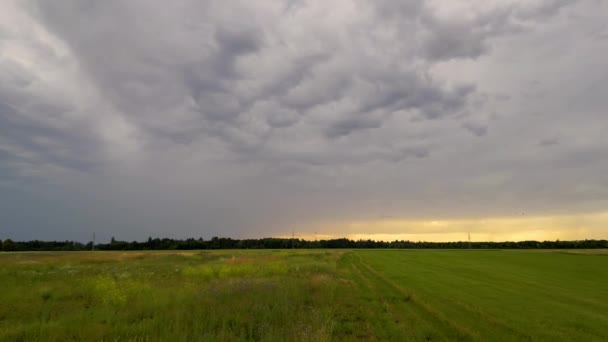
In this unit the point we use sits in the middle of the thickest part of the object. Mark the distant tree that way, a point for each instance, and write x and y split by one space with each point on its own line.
8 245
282 243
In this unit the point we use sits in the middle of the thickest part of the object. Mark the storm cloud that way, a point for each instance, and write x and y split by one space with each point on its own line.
247 119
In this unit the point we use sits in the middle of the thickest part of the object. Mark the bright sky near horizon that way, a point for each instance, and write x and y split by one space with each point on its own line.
386 119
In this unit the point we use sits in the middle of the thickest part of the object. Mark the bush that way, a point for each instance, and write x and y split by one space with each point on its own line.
8 245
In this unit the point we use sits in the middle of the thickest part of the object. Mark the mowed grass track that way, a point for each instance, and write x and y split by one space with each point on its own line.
473 295
304 295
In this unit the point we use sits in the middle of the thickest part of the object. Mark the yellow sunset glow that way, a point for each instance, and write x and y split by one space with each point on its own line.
562 227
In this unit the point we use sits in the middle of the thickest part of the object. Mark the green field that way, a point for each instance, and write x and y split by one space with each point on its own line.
304 295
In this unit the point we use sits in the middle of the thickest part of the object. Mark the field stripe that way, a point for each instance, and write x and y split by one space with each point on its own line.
447 282
429 313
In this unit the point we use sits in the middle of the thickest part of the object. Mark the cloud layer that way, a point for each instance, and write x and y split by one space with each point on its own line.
245 119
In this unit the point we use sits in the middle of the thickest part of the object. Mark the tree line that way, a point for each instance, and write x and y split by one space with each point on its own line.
9 245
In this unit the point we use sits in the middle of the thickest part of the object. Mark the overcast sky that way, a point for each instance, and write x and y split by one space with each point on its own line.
385 118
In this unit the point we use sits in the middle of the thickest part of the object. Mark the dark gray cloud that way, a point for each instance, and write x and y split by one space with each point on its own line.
476 128
37 142
245 118
217 82
549 141
346 126
467 35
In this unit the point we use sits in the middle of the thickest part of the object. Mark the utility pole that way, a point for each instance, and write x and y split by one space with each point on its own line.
469 240
292 239
93 244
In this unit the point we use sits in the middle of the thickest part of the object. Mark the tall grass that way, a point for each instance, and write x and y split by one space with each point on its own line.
167 297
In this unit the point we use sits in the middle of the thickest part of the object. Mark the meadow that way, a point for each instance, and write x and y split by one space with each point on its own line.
304 295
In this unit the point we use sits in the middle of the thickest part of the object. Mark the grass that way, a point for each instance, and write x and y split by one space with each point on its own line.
304 295
473 295
225 295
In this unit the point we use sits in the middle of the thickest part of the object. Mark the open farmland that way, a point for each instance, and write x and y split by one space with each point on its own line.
304 295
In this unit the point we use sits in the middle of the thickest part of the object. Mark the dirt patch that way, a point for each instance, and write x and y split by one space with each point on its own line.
318 279
245 260
345 281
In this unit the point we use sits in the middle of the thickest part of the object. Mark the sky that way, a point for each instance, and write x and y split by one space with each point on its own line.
385 119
